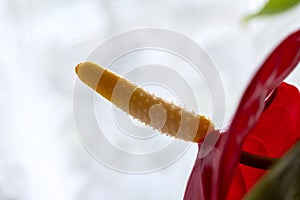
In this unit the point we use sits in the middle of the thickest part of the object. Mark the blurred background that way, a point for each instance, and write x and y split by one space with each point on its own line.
41 156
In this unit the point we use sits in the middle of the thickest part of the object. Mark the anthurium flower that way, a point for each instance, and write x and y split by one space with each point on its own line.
261 125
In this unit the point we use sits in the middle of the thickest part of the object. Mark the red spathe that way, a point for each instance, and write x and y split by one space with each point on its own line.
269 132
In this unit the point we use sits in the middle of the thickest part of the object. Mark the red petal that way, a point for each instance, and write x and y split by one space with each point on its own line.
212 175
276 130
277 126
238 186
274 133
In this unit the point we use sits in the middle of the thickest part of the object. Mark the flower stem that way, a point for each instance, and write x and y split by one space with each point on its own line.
256 161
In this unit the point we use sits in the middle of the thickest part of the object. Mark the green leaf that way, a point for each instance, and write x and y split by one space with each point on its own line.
274 7
282 182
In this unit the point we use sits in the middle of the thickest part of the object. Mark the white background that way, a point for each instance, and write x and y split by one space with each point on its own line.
41 42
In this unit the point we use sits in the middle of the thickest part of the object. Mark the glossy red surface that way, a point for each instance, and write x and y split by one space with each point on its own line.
268 132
